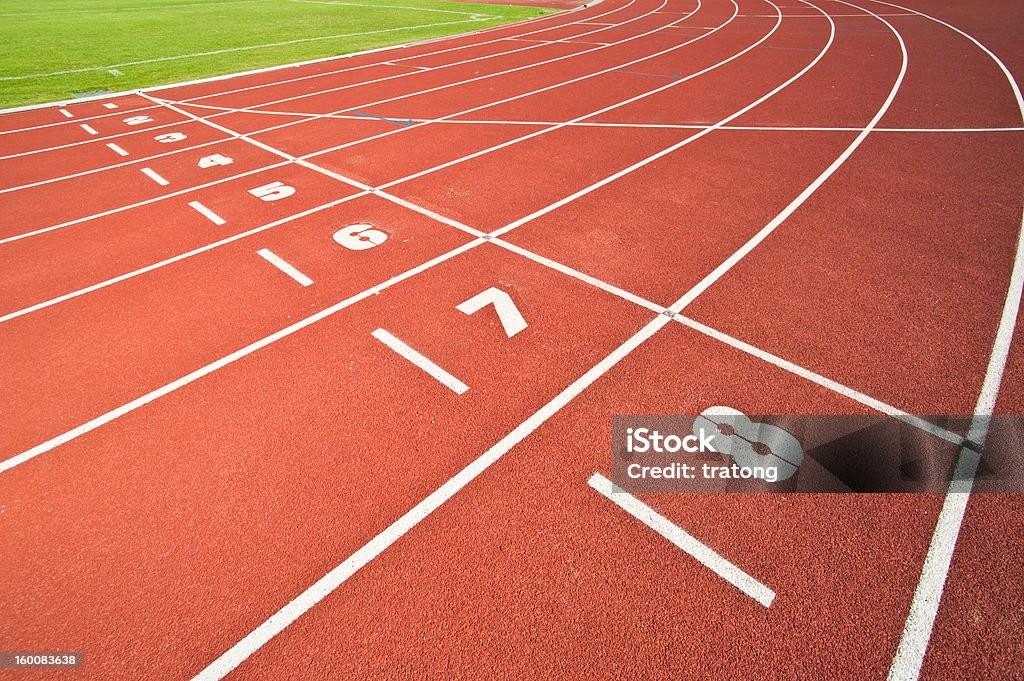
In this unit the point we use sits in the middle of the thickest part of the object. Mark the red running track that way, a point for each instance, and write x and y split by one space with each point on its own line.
213 465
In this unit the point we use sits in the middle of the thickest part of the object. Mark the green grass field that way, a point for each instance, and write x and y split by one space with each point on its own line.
58 49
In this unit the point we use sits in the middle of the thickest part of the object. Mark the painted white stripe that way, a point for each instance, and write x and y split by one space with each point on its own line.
66 113
682 539
284 266
449 381
155 176
89 129
109 105
924 608
117 150
207 213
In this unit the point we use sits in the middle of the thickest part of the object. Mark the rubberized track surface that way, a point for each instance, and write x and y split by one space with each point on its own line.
214 463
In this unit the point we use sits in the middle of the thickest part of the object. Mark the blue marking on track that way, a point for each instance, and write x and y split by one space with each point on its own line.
381 118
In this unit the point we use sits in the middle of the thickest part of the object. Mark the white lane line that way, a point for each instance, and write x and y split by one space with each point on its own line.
109 105
66 113
277 622
683 540
89 129
407 66
281 264
155 176
207 213
116 149
924 608
690 126
445 378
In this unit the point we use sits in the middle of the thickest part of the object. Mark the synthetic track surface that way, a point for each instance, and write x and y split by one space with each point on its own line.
212 464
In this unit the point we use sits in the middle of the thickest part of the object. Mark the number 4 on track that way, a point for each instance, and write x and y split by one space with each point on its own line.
509 315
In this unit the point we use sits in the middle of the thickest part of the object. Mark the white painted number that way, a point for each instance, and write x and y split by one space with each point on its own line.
171 137
508 314
752 444
138 120
215 160
273 191
360 237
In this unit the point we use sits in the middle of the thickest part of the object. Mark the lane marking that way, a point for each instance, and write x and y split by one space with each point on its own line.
207 213
407 66
89 129
381 118
645 73
683 540
116 149
702 126
284 266
508 314
155 176
66 113
445 378
109 105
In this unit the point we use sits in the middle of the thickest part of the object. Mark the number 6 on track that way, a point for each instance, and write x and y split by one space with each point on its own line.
360 237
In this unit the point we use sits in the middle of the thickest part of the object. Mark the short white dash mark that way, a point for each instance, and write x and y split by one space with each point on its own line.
153 175
117 150
208 214
704 554
89 129
449 381
280 264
